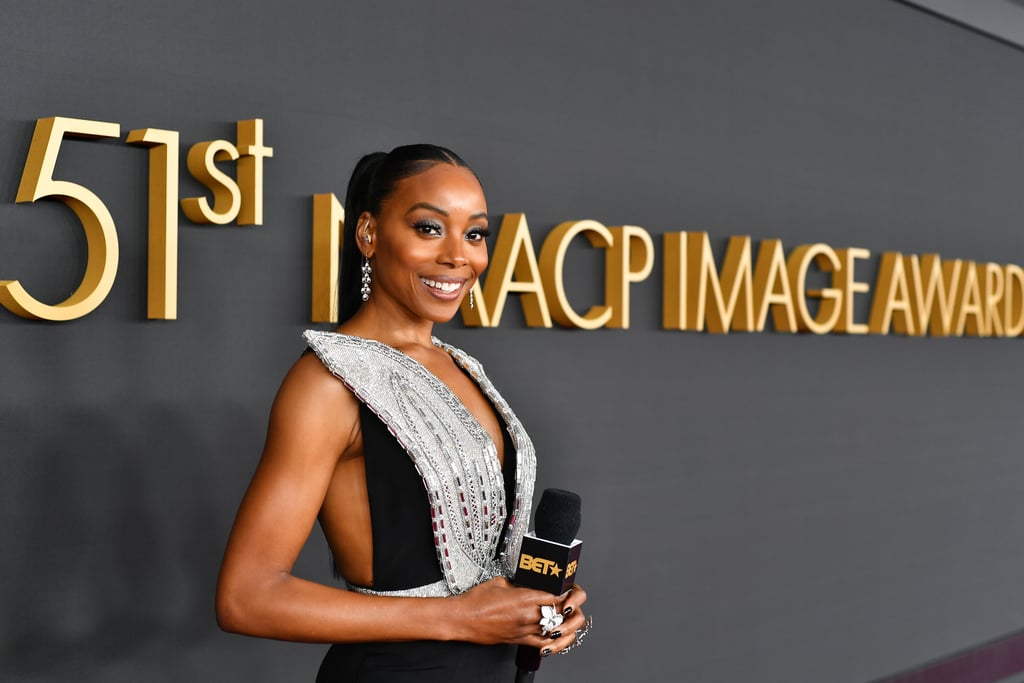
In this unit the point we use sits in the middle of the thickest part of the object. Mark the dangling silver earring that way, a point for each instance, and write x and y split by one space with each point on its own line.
365 291
471 298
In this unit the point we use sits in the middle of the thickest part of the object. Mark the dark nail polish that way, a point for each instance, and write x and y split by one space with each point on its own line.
567 611
545 652
555 634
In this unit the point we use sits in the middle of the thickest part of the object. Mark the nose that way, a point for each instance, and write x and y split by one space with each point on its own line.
453 252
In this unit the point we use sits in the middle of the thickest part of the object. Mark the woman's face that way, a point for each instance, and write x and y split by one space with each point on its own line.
427 242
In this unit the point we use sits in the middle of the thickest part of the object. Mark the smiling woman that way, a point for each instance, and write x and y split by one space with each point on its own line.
419 472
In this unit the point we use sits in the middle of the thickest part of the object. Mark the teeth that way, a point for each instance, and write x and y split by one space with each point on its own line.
446 287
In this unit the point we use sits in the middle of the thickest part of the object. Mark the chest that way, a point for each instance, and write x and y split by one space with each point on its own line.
469 394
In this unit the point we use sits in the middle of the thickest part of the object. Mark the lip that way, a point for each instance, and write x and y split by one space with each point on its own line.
444 287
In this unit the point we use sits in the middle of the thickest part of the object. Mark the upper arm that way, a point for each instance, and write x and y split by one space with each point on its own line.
313 421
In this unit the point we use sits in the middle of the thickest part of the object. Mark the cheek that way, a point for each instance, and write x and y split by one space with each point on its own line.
406 255
480 261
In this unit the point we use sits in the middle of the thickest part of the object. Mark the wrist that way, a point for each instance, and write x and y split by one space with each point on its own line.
454 618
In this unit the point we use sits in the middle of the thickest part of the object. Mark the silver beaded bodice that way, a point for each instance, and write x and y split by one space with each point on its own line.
453 454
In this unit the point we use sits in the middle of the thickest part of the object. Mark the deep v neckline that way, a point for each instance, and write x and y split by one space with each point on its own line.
450 393
479 507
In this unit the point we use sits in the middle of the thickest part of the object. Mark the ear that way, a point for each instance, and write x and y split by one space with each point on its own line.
366 234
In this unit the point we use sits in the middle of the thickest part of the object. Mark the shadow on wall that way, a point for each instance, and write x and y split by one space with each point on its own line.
111 550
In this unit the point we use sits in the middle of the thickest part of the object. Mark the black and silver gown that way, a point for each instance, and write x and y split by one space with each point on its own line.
445 514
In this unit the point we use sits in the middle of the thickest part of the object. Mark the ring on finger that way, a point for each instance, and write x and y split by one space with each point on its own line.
580 635
550 619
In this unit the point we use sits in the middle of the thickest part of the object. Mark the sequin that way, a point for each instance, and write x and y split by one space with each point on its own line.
452 453
438 589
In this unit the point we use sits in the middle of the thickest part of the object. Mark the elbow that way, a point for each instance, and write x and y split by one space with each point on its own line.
234 606
230 611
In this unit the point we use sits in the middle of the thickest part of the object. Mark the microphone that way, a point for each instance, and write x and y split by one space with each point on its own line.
548 560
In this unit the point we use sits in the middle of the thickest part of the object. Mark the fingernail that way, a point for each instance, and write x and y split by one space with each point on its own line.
555 634
545 652
567 611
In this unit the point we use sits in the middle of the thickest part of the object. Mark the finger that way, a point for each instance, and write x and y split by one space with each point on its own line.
574 598
573 622
539 597
569 638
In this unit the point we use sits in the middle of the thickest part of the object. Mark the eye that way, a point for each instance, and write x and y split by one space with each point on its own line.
477 234
429 228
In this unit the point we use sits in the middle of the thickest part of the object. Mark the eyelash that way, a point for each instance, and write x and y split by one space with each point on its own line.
434 230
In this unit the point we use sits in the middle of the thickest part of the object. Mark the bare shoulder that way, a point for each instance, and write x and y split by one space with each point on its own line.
309 381
314 405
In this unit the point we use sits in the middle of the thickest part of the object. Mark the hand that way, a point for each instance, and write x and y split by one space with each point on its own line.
565 635
498 612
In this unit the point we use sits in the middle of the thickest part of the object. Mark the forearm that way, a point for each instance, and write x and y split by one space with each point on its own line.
289 608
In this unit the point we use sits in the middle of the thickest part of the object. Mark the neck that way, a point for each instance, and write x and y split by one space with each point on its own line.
393 328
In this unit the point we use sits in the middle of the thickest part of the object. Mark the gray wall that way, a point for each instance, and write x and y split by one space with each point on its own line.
771 507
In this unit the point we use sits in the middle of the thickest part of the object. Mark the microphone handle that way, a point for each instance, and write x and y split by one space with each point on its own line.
523 676
527 663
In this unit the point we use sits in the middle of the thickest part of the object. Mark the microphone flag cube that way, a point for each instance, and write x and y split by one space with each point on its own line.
547 565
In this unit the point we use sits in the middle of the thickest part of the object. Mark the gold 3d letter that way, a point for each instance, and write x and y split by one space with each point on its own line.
162 299
251 152
328 225
771 288
828 309
1013 301
227 199
514 258
722 301
843 280
100 234
892 304
552 263
934 284
630 259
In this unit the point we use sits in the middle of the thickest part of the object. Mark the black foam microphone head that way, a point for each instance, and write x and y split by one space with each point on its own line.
558 516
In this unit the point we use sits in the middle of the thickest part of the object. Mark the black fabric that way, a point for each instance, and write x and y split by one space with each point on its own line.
403 539
418 662
404 557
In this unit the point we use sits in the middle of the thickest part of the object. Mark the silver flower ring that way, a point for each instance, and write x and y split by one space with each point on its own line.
550 619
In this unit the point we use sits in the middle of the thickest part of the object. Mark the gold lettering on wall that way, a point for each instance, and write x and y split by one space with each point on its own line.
722 302
933 286
673 284
251 152
37 183
994 284
552 263
829 305
969 317
230 201
1013 301
227 198
771 288
892 304
162 297
630 259
911 294
513 268
328 227
844 281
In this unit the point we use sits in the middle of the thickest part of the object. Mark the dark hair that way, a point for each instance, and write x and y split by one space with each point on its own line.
373 181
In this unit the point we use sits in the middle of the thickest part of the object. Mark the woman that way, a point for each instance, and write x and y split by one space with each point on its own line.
419 473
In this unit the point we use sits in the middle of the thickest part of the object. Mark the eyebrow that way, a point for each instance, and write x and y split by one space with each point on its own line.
437 209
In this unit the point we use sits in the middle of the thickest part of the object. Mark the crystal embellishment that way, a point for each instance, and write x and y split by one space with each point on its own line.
452 453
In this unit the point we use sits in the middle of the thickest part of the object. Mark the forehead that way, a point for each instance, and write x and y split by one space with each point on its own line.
448 187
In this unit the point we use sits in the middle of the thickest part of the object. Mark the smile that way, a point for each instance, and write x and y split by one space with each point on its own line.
446 287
